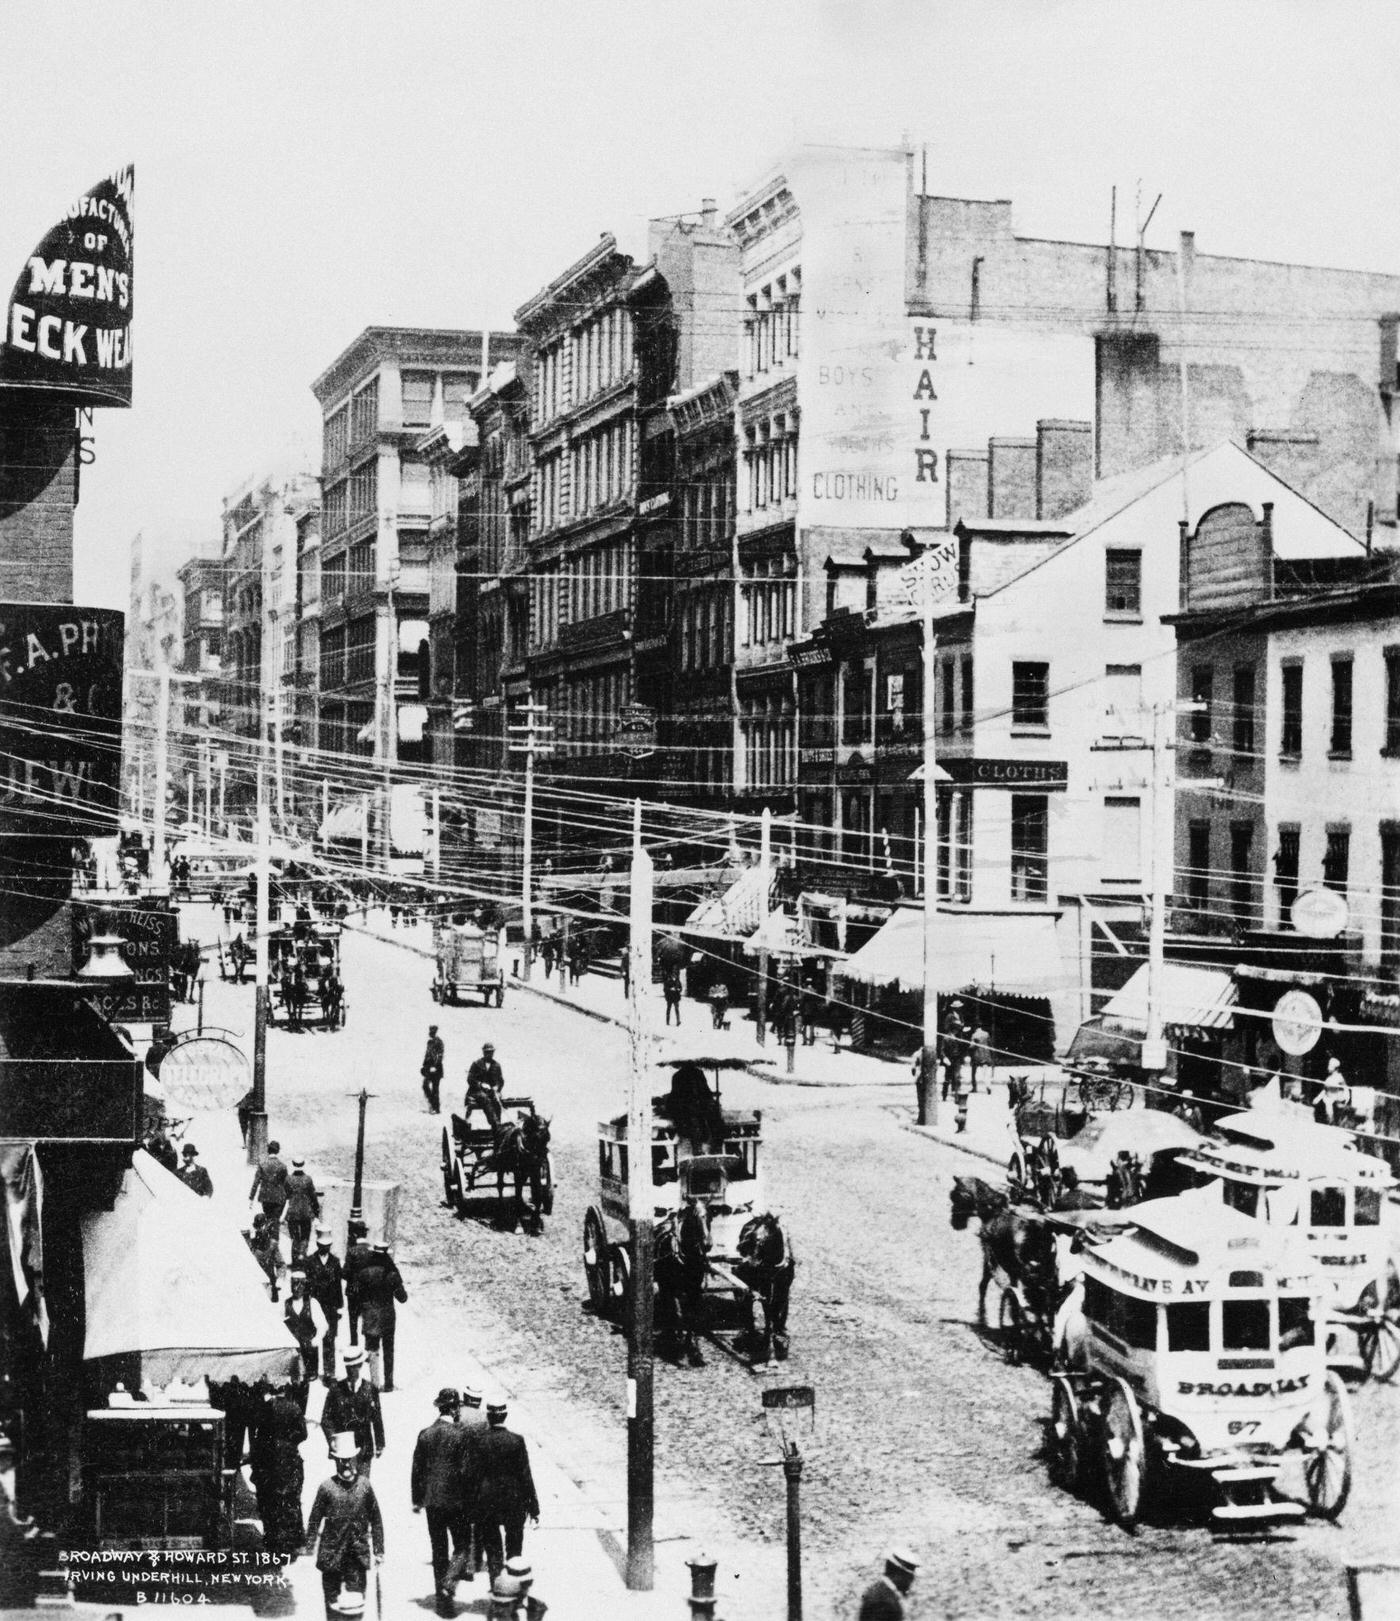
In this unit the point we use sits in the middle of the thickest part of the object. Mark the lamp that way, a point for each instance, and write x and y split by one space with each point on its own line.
105 961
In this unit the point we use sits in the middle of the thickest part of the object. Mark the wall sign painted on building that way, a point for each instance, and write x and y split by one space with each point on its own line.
1007 773
1297 1022
68 323
151 934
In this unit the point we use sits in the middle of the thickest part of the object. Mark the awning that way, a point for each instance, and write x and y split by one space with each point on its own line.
346 821
735 914
1191 998
780 933
169 1282
1004 951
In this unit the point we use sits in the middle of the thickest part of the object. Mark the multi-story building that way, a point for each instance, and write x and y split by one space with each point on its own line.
153 642
200 702
377 398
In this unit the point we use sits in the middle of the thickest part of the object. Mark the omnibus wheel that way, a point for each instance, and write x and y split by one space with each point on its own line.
1124 1454
1066 1437
1011 1325
1380 1343
597 1267
449 1172
1327 1446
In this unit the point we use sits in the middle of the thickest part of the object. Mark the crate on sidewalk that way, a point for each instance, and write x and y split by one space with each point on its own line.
380 1207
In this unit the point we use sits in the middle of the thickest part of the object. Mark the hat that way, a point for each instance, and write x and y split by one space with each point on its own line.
496 1403
901 1560
488 1046
189 1150
471 1395
446 1398
506 1587
323 1235
380 1244
520 1569
432 1029
298 1161
343 1445
354 1357
298 1272
1332 1063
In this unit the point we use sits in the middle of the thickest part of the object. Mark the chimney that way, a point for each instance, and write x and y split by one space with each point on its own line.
1188 254
1390 373
1011 465
708 210
1064 466
965 473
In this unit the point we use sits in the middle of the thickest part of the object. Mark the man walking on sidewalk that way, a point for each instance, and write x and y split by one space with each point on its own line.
306 1323
303 1207
505 1492
325 1285
270 1188
436 1487
346 1515
352 1405
434 1057
377 1288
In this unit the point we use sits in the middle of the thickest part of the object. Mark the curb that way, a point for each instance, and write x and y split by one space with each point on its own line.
950 1142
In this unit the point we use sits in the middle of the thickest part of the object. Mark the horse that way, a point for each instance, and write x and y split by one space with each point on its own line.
1011 1244
766 1264
521 1151
971 1196
332 993
680 1260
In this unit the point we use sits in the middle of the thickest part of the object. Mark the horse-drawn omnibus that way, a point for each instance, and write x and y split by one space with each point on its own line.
1201 1354
705 1157
468 964
1285 1169
303 964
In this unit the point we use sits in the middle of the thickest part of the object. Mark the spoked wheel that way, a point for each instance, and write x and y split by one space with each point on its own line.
621 1259
1012 1325
547 1191
1066 1437
597 1266
1124 1454
1327 1447
1380 1342
449 1172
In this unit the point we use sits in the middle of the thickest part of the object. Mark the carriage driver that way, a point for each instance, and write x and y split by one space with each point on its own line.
485 1083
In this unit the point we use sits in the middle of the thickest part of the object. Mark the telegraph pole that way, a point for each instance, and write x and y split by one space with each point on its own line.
641 1198
391 661
535 735
257 1125
765 881
162 774
928 1057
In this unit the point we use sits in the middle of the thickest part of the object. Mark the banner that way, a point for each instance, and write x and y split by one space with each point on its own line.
68 323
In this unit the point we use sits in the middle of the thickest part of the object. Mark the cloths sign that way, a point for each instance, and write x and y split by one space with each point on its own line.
68 322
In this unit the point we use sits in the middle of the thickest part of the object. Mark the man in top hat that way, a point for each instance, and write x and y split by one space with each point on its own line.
505 1489
303 1207
434 1057
485 1083
326 1286
346 1516
306 1323
193 1174
883 1600
436 1486
352 1404
378 1287
270 1187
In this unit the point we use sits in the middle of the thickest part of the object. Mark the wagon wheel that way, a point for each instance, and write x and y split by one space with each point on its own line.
1016 1169
1124 1454
1066 1437
547 1192
621 1268
449 1172
1327 1445
1011 1323
1380 1341
597 1267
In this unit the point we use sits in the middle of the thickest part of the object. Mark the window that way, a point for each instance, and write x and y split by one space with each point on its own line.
364 413
364 491
1341 708
417 399
966 672
457 389
1241 857
1366 1205
894 701
1336 860
1242 1196
1295 1322
1030 695
962 846
1392 700
1188 1326
335 437
1030 839
336 508
1286 870
947 695
1390 895
1328 1207
1123 700
1122 838
1291 732
1202 698
1131 1320
1244 1325
1242 718
1198 865
1123 583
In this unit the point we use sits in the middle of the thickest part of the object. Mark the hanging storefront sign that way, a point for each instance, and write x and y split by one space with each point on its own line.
1007 773
68 322
1320 914
1297 1022
150 933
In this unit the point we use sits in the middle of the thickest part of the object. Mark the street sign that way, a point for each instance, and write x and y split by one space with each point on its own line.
1297 1022
636 732
938 565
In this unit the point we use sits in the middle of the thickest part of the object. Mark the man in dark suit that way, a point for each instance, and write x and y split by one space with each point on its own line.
434 1058
356 1256
505 1490
883 1600
325 1284
485 1083
353 1404
436 1486
270 1187
379 1290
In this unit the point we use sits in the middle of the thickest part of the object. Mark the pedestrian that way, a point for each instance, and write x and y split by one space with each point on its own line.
719 1004
884 1599
161 1044
195 1177
277 1471
234 1400
352 1403
263 1243
979 1056
356 1258
303 1208
528 1607
671 995
808 1003
325 1285
378 1286
435 1483
240 955
485 1083
434 1057
306 1323
1333 1094
505 1491
576 956
270 1188
178 973
954 1046
471 1426
160 1148
345 1519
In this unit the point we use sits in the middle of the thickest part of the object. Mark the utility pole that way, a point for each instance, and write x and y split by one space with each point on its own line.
257 1124
928 1057
162 774
391 661
437 831
535 735
277 757
765 883
641 1200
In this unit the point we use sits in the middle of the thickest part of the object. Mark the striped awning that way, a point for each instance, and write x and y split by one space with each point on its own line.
735 914
1191 999
1006 951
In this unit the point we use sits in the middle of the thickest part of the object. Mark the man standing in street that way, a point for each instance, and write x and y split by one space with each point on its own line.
436 1486
277 1471
378 1286
434 1057
505 1492
306 1323
485 1083
346 1515
356 1258
270 1188
303 1207
352 1404
325 1285
883 1600
193 1174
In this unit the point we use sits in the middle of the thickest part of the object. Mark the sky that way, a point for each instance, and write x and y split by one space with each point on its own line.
304 171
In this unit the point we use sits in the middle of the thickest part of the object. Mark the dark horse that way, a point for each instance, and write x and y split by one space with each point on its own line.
680 1260
522 1151
1011 1245
766 1263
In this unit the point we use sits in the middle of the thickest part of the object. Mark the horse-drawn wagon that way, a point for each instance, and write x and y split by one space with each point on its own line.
515 1152
718 1251
468 964
1281 1167
1200 1355
303 961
